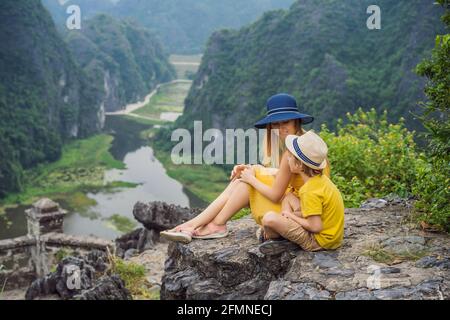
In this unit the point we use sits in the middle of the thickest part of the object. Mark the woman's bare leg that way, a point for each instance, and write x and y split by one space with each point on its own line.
212 210
238 199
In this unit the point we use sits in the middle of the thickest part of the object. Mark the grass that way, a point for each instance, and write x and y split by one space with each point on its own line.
79 170
241 214
134 276
144 121
61 254
169 98
204 181
378 254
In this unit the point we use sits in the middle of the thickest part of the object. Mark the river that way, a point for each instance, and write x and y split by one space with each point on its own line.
141 168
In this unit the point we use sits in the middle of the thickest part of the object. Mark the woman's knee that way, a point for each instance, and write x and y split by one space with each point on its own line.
241 189
270 219
231 187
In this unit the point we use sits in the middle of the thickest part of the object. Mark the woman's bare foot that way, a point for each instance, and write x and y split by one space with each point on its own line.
210 228
184 226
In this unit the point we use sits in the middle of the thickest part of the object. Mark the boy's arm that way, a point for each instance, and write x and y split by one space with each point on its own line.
312 223
276 191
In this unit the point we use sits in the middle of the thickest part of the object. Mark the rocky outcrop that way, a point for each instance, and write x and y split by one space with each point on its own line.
107 288
76 278
160 216
155 216
137 241
384 256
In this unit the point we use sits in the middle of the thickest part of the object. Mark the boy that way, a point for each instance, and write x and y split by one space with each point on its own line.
318 222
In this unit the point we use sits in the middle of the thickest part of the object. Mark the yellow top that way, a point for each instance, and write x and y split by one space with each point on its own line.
319 196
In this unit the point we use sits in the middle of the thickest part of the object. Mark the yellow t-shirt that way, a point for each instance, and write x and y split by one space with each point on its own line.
319 196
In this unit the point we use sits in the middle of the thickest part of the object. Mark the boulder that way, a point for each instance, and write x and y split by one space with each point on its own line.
106 288
156 217
160 216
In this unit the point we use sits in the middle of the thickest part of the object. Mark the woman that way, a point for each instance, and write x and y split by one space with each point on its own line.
253 185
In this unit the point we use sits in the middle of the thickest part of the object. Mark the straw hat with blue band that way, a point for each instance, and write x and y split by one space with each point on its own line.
282 107
309 148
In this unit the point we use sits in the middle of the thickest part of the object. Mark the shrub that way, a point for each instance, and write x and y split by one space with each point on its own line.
371 157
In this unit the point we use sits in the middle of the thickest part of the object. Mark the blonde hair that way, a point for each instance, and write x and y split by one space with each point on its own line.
310 172
271 158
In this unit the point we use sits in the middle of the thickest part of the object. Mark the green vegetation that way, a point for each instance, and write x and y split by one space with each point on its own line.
134 276
144 121
204 181
169 98
79 170
61 254
183 26
378 254
44 101
324 55
371 158
123 60
121 223
433 187
242 213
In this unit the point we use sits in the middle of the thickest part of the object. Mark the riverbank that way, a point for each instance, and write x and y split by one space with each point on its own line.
80 173
79 170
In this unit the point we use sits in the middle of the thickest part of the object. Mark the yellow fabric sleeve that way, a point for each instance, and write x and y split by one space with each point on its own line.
311 204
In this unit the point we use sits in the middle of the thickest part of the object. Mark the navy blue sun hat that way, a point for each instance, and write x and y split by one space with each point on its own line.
282 107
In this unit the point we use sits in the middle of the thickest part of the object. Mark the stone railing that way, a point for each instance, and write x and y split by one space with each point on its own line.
26 258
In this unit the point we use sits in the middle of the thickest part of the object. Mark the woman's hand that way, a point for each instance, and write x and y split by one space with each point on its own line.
237 170
248 175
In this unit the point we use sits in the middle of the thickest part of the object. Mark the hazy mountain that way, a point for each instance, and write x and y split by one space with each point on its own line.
183 25
321 52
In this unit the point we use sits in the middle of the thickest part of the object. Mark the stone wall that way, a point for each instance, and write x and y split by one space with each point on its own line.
26 258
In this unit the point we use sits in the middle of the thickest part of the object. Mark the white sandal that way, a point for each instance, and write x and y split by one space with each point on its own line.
183 236
214 235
